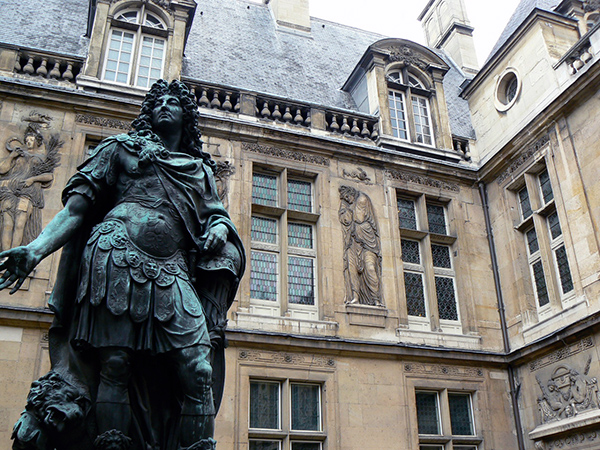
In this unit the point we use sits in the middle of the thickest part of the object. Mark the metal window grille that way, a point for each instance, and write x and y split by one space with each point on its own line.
421 116
407 214
526 210
398 115
264 230
540 284
151 61
564 272
461 419
300 235
532 241
545 186
415 294
446 298
436 218
441 256
428 418
300 195
263 276
410 251
554 225
264 406
306 407
301 285
264 189
118 61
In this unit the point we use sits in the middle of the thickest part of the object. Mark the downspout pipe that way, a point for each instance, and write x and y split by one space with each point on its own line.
502 314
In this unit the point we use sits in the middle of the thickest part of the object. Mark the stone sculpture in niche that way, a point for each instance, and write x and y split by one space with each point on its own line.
150 265
567 393
25 172
223 171
362 248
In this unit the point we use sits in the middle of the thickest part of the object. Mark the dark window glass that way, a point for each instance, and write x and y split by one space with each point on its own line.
428 419
436 219
407 214
410 252
264 230
264 406
300 195
566 282
460 414
511 89
263 275
441 256
301 281
446 299
554 225
540 283
415 295
532 241
525 204
545 186
264 445
264 189
306 446
306 407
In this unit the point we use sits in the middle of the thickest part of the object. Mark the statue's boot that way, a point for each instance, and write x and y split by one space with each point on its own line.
204 444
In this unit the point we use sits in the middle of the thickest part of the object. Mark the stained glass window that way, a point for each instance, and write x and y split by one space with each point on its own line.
441 256
398 114
540 283
264 230
410 252
526 210
532 241
306 407
564 272
263 276
301 284
415 294
428 418
436 218
300 195
446 299
264 405
407 214
545 186
300 235
421 116
264 189
554 226
460 414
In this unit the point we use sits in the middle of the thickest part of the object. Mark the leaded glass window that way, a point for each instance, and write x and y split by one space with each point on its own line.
264 229
428 417
300 195
398 114
436 218
526 210
306 445
415 294
540 283
423 132
264 189
301 277
545 186
564 273
441 256
407 214
446 298
300 235
306 407
263 275
410 252
264 445
532 241
554 226
265 405
461 419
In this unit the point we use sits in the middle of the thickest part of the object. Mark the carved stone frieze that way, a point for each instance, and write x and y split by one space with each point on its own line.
407 56
574 440
438 369
287 154
524 157
359 174
562 353
422 180
567 392
294 359
88 119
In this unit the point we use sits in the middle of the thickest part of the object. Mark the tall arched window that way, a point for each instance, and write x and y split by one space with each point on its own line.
136 49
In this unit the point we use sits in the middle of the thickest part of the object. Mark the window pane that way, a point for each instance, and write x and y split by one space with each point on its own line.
540 284
554 225
264 230
427 413
431 447
264 189
301 286
118 57
436 219
306 446
410 252
464 447
300 235
397 114
151 59
421 116
564 273
264 406
532 241
263 276
441 256
460 414
415 294
406 214
524 202
306 407
446 299
545 186
300 195
264 445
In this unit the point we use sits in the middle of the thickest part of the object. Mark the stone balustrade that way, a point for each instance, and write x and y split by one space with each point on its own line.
216 98
47 66
282 111
461 146
352 125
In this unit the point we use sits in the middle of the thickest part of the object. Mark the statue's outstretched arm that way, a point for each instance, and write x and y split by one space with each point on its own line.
20 261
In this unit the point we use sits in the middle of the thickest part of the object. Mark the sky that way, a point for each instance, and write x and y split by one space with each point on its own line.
398 18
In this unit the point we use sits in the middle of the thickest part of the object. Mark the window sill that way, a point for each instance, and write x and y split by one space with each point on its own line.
250 321
438 339
573 311
97 84
414 148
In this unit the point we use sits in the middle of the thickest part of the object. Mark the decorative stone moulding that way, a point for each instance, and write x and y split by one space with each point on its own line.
47 66
508 89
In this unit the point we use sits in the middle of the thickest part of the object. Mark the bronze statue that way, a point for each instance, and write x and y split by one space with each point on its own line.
362 249
150 265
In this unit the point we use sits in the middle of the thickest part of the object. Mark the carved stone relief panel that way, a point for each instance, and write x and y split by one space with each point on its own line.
362 248
223 171
27 165
359 174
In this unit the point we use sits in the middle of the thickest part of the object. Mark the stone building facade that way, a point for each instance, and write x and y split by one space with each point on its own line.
422 231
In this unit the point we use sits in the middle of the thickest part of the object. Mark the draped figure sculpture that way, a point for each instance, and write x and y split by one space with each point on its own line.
362 249
150 265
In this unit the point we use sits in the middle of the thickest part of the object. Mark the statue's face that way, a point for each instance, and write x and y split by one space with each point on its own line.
167 115
30 141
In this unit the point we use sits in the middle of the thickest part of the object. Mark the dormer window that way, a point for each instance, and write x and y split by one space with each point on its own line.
136 49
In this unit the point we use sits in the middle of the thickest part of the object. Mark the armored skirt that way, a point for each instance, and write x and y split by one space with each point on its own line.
149 304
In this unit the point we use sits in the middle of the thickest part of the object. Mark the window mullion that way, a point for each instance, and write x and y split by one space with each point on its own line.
135 56
284 264
410 117
431 299
445 414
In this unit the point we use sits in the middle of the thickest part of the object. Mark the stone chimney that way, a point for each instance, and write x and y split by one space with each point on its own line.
447 27
291 13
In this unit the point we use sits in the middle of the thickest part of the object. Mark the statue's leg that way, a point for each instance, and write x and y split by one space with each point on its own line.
113 411
198 411
24 209
8 225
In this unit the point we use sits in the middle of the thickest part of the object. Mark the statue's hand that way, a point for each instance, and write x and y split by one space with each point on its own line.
18 263
216 239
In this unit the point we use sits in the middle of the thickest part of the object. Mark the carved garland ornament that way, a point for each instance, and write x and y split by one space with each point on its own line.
286 358
359 174
103 122
407 56
435 369
425 181
287 154
563 353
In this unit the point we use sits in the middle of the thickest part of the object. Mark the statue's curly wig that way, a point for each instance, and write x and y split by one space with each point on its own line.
191 138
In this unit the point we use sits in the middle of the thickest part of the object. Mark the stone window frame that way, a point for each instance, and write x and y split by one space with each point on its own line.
509 78
426 238
283 215
538 221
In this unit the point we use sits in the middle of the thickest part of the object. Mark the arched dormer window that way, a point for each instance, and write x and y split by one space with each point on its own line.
136 49
410 113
